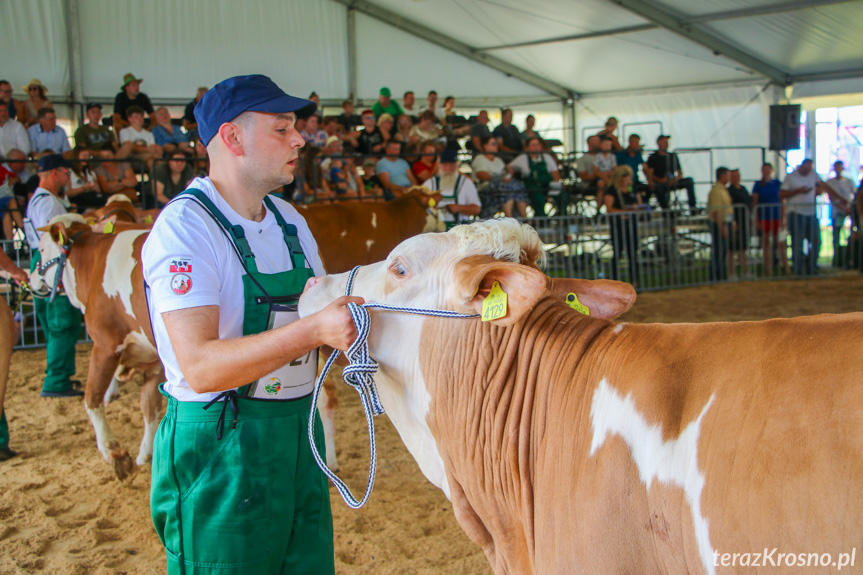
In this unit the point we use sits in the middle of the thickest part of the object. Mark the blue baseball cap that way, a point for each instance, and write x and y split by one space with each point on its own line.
52 162
254 93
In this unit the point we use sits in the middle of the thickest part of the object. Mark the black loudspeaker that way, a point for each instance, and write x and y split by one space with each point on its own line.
785 127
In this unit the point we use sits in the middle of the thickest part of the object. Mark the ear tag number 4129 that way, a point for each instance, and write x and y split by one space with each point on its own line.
494 305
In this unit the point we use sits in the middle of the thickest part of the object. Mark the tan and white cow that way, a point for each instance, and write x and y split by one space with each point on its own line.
571 444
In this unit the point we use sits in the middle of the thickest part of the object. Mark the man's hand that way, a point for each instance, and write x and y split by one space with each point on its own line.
334 325
19 275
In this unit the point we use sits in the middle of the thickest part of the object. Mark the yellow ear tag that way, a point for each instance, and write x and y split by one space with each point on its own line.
573 302
494 305
148 220
432 203
109 228
62 239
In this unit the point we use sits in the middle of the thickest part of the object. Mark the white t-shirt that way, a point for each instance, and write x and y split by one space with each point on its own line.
803 204
190 250
40 209
845 188
494 167
130 134
521 166
466 195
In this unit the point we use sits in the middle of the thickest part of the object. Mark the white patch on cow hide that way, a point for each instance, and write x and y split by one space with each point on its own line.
145 452
119 265
618 328
374 219
369 244
343 234
70 286
104 437
670 462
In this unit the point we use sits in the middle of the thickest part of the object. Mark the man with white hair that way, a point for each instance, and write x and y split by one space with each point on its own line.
235 488
459 198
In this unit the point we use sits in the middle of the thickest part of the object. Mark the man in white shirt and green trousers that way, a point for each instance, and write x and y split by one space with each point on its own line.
235 488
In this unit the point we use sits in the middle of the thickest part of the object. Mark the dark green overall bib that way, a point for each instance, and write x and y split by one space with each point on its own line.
536 184
244 496
449 199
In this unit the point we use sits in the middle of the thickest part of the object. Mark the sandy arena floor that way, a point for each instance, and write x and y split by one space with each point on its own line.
63 512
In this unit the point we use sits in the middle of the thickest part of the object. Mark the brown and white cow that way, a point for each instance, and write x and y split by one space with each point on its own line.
352 233
571 444
121 208
103 278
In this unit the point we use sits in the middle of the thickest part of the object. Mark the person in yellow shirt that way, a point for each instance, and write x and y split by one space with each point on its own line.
721 218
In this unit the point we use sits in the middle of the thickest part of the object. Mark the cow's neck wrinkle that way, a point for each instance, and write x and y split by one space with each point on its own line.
490 387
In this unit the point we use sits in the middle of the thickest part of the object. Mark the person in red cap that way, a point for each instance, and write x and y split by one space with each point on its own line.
235 487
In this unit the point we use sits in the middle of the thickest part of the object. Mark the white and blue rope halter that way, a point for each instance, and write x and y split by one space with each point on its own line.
360 374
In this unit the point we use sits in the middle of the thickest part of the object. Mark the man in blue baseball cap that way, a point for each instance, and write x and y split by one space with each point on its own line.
235 487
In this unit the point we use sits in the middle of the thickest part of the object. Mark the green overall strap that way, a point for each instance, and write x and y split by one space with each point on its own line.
289 231
237 233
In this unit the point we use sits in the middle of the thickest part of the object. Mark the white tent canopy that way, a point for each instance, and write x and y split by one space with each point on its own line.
706 69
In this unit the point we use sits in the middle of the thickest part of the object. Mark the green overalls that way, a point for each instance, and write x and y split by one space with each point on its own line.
447 200
61 325
4 430
536 184
244 496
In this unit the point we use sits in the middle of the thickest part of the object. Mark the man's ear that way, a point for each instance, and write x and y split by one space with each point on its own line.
604 298
230 135
474 276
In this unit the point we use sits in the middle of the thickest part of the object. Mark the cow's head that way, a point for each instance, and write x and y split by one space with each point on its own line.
450 271
60 234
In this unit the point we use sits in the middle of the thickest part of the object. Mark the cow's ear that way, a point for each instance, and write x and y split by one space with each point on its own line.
473 279
59 233
604 298
106 226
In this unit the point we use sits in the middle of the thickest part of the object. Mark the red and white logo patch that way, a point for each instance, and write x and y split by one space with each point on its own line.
181 284
181 265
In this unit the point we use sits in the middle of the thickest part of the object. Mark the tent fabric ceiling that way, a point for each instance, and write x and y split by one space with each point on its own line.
307 46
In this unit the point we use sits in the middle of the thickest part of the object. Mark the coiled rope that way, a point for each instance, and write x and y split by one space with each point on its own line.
360 375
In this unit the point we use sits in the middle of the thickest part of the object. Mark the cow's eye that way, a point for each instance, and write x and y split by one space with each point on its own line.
401 270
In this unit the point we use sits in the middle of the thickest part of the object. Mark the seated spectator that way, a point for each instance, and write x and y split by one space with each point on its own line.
312 134
319 111
173 177
130 95
25 180
537 171
738 242
425 130
585 166
368 141
631 156
608 132
620 196
343 177
13 135
768 218
479 131
404 129
83 190
386 125
529 132
46 135
386 104
314 186
431 105
427 164
93 135
508 137
333 147
459 198
347 120
491 172
394 172
14 106
136 141
167 135
331 127
116 177
408 108
189 121
371 184
665 175
603 163
9 210
29 114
